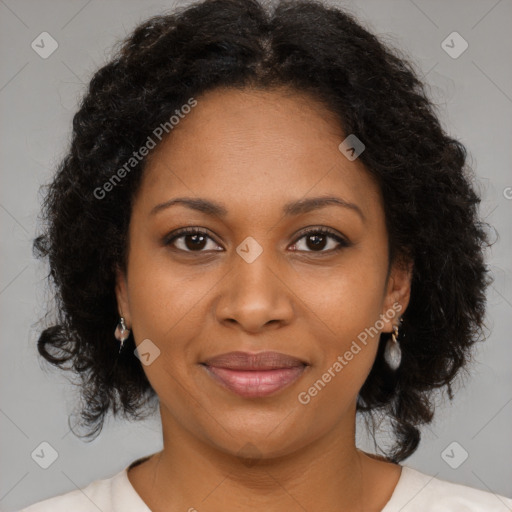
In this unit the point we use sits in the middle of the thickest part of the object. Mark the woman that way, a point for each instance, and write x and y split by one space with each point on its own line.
262 208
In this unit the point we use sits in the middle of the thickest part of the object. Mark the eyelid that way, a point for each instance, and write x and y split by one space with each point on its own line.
191 230
323 230
181 231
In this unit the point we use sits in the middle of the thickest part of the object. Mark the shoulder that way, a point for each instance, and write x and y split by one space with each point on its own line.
93 497
419 492
114 494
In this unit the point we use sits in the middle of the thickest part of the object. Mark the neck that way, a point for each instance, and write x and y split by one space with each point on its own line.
329 473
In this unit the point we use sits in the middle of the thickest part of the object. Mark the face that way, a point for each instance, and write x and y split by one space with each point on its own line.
264 268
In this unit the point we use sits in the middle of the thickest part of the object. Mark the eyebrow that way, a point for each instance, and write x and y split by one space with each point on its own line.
298 207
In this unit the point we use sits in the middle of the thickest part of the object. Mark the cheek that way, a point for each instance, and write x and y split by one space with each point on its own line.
346 305
166 309
169 306
164 298
347 297
345 358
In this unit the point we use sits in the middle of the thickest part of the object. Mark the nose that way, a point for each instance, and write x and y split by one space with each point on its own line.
255 296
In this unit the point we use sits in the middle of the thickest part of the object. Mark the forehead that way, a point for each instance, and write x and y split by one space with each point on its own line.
253 147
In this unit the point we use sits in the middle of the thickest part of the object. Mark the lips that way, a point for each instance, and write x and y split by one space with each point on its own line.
259 361
254 375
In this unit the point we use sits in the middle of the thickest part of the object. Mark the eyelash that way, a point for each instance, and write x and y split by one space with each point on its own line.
343 243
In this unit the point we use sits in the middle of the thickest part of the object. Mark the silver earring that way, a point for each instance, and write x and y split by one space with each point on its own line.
121 333
393 353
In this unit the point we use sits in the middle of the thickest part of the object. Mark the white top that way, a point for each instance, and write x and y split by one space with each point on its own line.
414 492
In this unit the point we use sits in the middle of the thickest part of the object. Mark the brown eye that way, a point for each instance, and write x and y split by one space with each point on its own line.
190 240
317 240
320 240
194 242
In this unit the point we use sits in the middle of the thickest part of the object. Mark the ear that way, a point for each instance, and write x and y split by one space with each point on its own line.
123 303
398 293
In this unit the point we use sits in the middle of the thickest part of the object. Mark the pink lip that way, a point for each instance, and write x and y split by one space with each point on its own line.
255 375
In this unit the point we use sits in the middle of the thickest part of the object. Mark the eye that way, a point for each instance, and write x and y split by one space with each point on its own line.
190 240
318 238
196 240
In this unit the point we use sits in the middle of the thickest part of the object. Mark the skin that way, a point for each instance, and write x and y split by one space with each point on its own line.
254 151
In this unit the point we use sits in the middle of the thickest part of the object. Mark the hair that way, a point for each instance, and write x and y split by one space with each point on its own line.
430 203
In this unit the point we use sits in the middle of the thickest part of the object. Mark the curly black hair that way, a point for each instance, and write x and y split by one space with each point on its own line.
430 201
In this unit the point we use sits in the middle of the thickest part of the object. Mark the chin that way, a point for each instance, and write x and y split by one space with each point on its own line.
259 439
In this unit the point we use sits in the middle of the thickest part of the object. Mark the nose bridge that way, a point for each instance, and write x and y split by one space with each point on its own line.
254 294
253 263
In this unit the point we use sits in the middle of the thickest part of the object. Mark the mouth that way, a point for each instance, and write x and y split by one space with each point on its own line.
255 375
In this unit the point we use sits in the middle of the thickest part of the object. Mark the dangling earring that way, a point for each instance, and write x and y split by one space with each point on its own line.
121 333
393 353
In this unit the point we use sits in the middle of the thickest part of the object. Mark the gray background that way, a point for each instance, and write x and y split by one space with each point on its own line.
38 98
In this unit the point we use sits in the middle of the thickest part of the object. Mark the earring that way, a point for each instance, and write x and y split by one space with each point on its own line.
393 353
121 333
